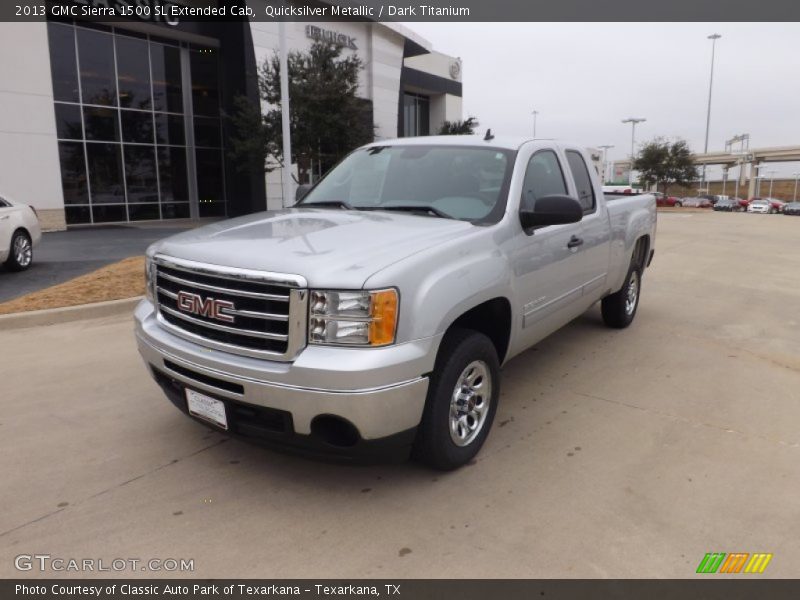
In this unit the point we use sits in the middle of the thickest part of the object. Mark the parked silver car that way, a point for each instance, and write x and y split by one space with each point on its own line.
761 206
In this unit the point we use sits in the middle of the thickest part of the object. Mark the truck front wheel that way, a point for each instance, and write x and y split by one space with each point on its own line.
462 401
619 308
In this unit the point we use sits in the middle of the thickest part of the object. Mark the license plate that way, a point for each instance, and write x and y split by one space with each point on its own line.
206 408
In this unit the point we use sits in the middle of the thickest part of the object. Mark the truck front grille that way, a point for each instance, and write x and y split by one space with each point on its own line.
241 311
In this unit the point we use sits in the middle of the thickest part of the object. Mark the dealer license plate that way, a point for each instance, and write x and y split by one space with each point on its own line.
206 408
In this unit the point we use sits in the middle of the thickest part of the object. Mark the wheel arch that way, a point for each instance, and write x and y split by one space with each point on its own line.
491 318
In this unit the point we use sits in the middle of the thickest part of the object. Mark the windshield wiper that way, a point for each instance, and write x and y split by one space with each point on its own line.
324 203
417 208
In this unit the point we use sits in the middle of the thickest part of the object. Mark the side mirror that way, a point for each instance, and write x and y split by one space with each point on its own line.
302 191
551 210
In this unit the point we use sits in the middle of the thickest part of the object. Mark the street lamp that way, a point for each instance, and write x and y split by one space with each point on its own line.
534 113
286 171
771 179
713 37
605 149
633 121
796 176
762 176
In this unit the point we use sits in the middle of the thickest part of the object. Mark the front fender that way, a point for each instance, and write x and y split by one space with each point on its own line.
440 285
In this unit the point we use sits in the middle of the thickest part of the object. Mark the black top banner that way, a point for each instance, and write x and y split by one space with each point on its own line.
406 589
174 12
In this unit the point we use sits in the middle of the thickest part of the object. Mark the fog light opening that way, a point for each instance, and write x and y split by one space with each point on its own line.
334 431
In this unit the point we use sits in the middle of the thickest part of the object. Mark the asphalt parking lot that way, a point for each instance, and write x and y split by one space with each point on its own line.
614 453
63 255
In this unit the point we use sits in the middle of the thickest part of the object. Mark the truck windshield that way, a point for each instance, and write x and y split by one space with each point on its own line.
460 182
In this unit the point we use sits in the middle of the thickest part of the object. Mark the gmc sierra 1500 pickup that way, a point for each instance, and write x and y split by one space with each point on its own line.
372 318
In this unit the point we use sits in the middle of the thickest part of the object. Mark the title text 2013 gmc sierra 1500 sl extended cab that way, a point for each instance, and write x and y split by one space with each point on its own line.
371 319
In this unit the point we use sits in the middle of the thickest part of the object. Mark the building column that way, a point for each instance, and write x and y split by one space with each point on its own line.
751 191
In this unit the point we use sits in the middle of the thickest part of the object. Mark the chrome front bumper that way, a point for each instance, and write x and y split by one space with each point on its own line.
381 391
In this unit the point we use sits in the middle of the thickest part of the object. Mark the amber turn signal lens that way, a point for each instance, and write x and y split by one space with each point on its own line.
383 325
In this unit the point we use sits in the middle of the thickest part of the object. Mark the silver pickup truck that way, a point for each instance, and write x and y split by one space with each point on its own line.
372 318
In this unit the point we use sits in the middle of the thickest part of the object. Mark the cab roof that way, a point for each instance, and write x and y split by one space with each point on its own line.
500 142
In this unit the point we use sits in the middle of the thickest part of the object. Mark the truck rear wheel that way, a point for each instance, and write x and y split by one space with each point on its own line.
462 401
619 308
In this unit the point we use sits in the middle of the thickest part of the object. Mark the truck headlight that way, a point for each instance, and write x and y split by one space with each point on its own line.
149 279
358 318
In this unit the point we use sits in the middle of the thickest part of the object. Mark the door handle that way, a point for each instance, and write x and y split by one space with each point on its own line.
4 217
574 242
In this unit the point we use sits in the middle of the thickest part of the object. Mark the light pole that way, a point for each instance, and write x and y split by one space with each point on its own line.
796 176
534 113
713 37
762 176
286 172
605 149
771 179
633 121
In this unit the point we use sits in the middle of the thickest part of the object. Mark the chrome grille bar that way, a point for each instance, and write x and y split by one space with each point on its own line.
252 314
247 332
223 290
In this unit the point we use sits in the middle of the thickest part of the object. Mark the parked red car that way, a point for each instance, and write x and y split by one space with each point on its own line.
662 200
777 205
744 203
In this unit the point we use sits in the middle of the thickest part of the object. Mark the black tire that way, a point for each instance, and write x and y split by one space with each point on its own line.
14 262
678 204
616 310
435 445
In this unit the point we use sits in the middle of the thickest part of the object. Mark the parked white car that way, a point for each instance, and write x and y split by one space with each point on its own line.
19 234
760 206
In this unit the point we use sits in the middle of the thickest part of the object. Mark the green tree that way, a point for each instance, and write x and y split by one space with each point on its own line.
664 163
327 119
466 127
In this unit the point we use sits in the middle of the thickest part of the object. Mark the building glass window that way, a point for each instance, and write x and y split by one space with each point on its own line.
172 175
205 82
416 115
96 62
133 73
64 66
169 129
137 126
69 125
167 82
101 124
124 136
73 173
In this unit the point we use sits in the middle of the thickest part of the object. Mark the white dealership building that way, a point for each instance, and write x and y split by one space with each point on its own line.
120 122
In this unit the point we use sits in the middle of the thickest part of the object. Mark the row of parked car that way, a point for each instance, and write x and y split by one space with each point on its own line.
732 204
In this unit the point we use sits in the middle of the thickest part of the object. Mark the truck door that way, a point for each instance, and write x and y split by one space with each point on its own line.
545 260
595 232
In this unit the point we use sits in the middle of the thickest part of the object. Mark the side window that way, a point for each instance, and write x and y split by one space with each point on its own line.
582 180
543 177
3 203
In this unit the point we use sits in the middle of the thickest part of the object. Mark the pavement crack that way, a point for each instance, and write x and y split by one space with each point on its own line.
112 488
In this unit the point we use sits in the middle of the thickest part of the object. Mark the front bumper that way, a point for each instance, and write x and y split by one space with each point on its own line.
379 391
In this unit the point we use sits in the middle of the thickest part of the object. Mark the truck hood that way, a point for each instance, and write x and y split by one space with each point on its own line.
329 247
